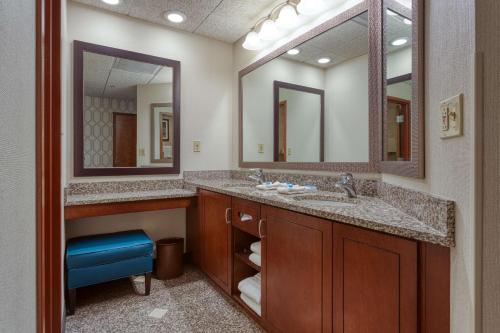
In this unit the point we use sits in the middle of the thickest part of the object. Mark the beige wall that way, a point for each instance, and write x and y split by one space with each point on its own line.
17 167
206 90
449 164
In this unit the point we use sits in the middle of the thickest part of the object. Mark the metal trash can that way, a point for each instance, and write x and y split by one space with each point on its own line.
169 252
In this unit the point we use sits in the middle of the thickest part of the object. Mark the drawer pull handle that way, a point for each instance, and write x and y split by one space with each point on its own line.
261 221
228 220
245 217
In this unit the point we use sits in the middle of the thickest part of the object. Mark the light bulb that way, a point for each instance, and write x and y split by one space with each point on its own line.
293 51
175 16
310 7
399 41
252 41
287 17
268 30
324 60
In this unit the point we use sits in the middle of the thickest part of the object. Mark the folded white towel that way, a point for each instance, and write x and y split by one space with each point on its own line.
255 247
255 258
251 304
295 189
271 186
251 288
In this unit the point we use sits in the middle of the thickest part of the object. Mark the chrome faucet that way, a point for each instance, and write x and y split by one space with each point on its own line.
258 176
346 183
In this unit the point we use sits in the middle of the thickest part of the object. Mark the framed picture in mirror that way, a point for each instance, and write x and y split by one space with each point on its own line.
126 112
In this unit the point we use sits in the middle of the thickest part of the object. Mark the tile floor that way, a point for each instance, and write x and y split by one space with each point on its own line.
187 304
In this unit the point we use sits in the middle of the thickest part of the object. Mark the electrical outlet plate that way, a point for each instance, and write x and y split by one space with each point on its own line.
196 146
260 148
452 117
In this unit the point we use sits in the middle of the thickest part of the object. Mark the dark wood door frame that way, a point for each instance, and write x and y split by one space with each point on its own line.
48 166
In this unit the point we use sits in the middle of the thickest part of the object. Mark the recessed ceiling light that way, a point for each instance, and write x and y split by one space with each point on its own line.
324 60
293 51
391 13
111 2
406 21
399 41
175 16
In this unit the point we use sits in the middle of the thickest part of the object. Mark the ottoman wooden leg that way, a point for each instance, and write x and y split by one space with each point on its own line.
71 301
147 283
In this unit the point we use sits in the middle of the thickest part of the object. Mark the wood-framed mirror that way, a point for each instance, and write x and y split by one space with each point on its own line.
126 108
340 57
402 121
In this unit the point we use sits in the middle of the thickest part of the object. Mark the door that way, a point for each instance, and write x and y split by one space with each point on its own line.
282 131
296 271
124 140
216 238
398 129
374 282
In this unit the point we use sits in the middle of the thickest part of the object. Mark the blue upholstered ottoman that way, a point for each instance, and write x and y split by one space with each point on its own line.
101 258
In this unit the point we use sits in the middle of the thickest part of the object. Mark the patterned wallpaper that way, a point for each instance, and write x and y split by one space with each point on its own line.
98 129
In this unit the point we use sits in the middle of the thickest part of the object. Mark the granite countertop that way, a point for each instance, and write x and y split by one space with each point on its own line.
367 211
98 198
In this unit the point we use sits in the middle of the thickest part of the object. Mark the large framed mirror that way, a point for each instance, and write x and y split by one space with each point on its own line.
402 108
126 112
313 104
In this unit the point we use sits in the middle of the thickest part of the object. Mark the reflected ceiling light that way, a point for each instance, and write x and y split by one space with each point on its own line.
324 60
287 17
252 41
406 21
399 41
310 7
268 30
293 52
391 13
175 16
111 2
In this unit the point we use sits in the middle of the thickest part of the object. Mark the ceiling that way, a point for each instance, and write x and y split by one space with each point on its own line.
345 41
106 76
396 28
225 20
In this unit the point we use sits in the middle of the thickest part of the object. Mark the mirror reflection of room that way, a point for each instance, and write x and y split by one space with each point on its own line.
398 59
334 62
128 117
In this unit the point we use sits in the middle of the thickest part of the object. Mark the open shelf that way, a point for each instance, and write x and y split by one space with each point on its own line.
243 257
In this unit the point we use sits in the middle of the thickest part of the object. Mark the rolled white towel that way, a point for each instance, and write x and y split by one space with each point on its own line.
255 247
295 189
251 288
255 258
251 304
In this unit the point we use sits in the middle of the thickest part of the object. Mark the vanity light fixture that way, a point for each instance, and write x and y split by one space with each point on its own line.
324 60
287 17
407 21
293 51
268 30
175 16
252 41
399 41
310 7
111 2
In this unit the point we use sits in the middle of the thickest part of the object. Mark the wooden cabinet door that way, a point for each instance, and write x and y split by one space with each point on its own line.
374 282
296 271
124 140
216 238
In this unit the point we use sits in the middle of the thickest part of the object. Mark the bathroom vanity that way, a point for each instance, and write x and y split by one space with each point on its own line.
342 268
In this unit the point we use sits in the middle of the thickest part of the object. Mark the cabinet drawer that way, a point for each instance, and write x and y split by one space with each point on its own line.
245 216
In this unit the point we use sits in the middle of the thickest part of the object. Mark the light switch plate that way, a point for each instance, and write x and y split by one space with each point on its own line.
260 148
196 146
451 111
